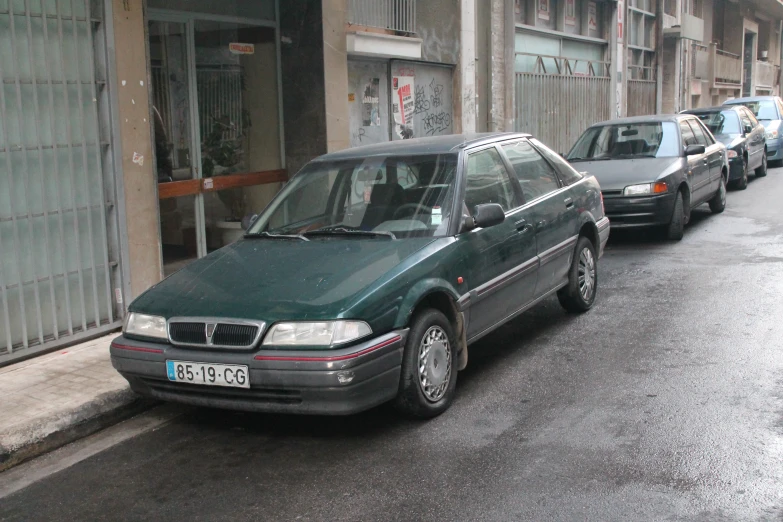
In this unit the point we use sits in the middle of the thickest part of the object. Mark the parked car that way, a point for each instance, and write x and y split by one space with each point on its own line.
654 169
769 111
744 136
367 277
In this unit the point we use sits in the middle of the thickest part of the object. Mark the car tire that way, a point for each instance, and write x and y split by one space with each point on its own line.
676 227
718 201
418 395
762 170
742 183
579 295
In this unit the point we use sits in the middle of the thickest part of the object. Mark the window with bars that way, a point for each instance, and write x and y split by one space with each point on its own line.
58 254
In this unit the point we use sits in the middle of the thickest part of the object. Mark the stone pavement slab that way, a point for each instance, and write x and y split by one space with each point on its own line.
53 399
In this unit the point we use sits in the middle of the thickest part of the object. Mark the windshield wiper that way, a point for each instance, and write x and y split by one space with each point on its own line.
631 156
600 158
268 235
342 231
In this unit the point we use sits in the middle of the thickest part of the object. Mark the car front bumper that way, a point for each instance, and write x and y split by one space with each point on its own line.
626 212
775 149
735 168
603 234
290 381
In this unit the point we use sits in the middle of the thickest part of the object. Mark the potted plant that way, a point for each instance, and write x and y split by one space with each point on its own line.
220 155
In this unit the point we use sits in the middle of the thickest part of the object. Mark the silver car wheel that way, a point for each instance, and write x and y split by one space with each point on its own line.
586 274
434 363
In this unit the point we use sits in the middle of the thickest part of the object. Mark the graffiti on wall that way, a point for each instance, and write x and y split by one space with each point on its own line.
429 104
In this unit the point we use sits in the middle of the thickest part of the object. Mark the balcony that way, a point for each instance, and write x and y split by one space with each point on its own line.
721 69
767 76
395 16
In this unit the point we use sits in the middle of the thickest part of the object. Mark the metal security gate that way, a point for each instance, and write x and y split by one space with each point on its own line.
556 109
58 223
641 97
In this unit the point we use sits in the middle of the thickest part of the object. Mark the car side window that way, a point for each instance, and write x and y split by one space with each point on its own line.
688 138
536 177
701 138
779 103
707 133
487 181
751 117
746 121
568 174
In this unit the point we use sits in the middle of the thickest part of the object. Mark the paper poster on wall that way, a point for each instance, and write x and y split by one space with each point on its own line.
570 12
620 19
543 9
403 105
241 48
592 17
371 115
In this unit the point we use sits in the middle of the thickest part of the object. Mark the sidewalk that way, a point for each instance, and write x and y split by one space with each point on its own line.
51 400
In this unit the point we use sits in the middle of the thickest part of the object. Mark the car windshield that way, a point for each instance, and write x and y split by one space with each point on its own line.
628 140
763 109
720 122
383 196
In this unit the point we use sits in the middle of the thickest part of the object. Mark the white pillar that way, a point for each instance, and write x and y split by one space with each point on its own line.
467 65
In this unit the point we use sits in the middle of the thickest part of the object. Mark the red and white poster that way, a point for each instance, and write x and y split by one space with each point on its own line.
620 19
403 105
241 48
592 16
570 12
543 9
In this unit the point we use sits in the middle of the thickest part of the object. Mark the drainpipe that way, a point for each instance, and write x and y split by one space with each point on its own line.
614 63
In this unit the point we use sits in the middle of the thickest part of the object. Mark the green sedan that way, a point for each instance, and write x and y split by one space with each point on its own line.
368 277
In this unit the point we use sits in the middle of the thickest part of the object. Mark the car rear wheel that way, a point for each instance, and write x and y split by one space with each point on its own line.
718 201
761 171
579 295
428 378
676 226
742 183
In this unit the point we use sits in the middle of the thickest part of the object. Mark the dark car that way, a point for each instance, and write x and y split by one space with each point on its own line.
654 169
737 128
769 111
367 277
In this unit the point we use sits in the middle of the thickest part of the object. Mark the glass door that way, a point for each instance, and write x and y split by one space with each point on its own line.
180 202
218 136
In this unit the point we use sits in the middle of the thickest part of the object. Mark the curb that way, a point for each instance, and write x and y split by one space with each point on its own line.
59 429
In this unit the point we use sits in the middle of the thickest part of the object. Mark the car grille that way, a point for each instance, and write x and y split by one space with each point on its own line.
214 333
171 390
611 193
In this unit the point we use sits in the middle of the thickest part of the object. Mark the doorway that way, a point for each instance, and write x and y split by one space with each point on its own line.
747 63
217 126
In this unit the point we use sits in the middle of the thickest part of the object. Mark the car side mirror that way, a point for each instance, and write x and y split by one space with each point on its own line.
488 215
747 129
692 150
248 221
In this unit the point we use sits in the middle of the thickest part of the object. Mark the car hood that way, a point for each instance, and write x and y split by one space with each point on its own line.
730 140
618 174
278 279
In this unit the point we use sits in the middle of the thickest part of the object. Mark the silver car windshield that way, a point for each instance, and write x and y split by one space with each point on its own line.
627 140
398 196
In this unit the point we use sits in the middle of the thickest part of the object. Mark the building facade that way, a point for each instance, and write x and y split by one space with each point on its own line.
135 135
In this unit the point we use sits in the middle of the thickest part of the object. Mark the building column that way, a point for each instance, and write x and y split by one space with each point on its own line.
466 87
338 134
140 230
615 62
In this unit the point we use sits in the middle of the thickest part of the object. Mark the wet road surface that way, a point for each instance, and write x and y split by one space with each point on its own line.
665 402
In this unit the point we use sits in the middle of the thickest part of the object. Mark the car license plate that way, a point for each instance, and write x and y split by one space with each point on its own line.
234 375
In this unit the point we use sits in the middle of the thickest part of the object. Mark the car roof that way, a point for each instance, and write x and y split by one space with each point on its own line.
417 146
654 118
739 101
702 110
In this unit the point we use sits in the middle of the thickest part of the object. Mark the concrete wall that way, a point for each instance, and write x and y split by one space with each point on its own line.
141 225
336 75
437 24
733 34
304 103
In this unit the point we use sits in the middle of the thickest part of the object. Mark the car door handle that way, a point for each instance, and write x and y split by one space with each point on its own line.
523 226
569 203
541 224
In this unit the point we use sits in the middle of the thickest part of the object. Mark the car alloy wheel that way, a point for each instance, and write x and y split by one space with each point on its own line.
586 272
434 363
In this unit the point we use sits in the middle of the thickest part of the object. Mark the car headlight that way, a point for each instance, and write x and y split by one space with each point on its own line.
317 333
773 134
143 325
645 189
732 153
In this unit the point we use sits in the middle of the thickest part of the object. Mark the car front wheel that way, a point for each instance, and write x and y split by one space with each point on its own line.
762 170
676 226
718 201
429 367
579 295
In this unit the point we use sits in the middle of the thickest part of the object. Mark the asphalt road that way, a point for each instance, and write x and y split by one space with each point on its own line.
665 402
